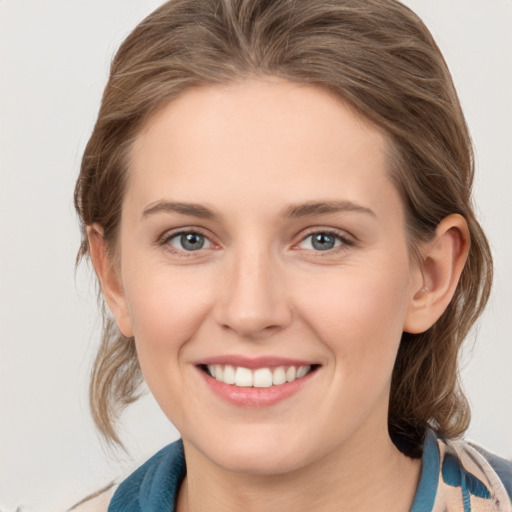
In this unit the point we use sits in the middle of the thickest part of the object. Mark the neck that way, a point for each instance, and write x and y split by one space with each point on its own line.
362 475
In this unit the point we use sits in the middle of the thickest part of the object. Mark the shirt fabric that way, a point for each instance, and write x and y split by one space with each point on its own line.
455 477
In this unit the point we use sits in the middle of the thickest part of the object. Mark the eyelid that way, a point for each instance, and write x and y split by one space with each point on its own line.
164 239
346 239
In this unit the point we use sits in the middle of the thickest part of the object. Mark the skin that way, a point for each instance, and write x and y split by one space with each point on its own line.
259 287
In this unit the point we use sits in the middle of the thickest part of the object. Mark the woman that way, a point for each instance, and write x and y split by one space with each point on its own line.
276 201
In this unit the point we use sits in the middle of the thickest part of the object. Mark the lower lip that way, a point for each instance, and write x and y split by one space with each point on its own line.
255 397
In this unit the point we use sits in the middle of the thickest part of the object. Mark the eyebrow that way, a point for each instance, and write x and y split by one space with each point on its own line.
292 211
323 207
192 209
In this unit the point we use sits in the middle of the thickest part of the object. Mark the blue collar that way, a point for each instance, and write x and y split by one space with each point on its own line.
154 486
427 488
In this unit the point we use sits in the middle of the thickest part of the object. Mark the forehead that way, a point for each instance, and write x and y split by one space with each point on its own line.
265 139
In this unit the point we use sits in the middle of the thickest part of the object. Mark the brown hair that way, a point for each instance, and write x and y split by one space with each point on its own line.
378 57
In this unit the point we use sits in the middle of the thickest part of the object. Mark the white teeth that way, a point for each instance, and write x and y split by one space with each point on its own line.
279 376
262 378
291 374
259 378
243 377
219 372
229 374
303 371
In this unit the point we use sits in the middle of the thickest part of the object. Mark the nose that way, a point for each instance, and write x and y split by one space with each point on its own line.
253 302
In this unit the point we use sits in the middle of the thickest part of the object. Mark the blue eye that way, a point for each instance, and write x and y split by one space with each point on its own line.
323 241
189 241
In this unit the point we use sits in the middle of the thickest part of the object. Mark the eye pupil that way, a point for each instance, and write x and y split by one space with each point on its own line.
323 241
192 241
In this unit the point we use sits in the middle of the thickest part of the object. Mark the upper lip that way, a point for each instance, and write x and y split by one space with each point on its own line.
253 362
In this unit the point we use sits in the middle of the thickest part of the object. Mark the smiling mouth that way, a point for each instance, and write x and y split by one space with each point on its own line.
257 378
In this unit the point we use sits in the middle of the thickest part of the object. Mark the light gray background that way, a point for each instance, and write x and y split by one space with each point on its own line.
54 57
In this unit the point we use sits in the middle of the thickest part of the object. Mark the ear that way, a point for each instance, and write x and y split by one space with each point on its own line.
109 278
443 260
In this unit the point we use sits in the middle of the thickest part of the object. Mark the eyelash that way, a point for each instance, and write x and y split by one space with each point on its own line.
164 241
345 242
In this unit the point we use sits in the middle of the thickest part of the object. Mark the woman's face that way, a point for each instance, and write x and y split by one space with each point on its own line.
262 239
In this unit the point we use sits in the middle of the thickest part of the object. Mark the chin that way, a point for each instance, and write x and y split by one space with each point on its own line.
264 453
258 461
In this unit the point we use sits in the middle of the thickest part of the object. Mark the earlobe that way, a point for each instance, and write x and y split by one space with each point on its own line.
109 278
443 260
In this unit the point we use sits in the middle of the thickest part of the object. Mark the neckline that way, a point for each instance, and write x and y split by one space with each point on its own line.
155 485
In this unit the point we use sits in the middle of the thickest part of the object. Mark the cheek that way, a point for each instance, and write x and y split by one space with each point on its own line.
359 315
166 307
